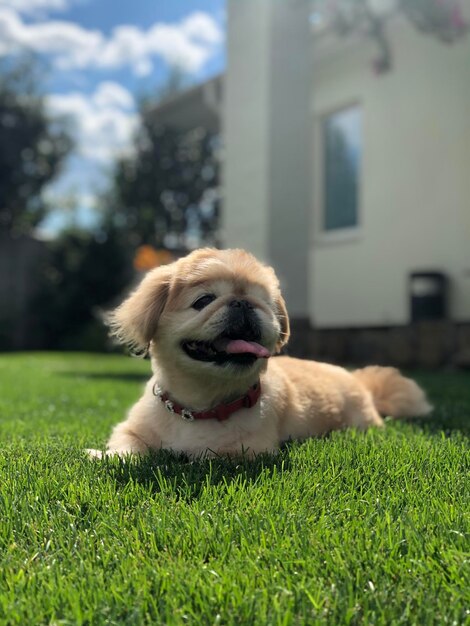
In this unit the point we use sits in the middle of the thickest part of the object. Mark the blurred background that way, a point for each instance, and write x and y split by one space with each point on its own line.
331 138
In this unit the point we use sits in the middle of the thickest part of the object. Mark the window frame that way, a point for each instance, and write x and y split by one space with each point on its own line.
337 235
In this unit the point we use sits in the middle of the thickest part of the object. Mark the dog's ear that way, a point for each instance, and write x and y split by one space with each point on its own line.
283 317
135 321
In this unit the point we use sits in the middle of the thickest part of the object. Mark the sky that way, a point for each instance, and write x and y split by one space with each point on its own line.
102 55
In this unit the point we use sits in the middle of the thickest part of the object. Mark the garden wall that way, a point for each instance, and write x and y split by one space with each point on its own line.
424 344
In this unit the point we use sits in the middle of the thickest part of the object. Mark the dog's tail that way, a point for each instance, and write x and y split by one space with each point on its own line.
393 394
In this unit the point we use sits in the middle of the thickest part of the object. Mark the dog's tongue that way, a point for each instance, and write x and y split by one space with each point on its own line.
240 346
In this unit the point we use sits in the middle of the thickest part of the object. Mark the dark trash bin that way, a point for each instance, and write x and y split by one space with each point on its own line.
428 296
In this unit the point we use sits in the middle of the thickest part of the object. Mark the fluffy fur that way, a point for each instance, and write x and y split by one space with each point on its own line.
299 398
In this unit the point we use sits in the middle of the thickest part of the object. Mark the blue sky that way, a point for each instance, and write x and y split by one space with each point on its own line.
103 54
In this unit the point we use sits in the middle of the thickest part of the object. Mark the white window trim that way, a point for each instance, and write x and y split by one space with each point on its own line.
320 236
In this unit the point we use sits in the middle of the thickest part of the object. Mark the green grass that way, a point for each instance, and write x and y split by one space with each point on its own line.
352 529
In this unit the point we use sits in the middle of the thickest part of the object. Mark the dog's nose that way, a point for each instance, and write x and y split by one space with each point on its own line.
241 304
242 321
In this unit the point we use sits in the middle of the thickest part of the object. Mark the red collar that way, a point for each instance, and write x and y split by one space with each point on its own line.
221 412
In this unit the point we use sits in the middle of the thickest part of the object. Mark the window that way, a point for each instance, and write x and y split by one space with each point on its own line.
342 156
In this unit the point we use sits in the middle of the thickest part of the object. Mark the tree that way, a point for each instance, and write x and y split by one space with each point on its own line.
83 274
166 194
32 147
442 19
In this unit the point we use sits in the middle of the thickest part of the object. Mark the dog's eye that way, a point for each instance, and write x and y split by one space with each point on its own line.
203 301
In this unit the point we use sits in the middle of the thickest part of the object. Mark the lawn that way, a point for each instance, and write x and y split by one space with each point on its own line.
352 529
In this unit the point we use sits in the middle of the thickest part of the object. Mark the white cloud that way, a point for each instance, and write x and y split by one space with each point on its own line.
58 38
103 122
188 44
201 26
35 7
103 125
109 94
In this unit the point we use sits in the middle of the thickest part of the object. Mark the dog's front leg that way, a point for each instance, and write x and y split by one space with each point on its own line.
123 442
135 435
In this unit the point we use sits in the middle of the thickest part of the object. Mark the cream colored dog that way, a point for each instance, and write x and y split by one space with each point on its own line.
211 322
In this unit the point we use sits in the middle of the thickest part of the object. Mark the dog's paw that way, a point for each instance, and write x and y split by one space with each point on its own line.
101 454
95 454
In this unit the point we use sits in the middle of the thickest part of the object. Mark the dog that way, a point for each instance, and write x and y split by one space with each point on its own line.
212 323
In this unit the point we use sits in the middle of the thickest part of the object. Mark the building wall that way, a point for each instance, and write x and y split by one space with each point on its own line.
267 165
415 199
246 128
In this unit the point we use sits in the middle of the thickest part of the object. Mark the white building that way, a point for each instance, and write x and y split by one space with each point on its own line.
347 263
348 181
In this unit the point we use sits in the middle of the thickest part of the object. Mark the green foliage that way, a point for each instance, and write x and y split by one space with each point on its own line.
32 147
84 272
442 19
167 191
352 529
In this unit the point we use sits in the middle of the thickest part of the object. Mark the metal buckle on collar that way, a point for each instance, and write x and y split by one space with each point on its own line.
187 415
169 406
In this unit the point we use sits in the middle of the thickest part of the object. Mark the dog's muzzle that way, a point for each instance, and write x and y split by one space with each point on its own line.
242 322
238 342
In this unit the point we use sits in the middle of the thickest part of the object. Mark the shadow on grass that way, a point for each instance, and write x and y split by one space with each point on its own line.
449 393
165 471
448 420
118 376
178 476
